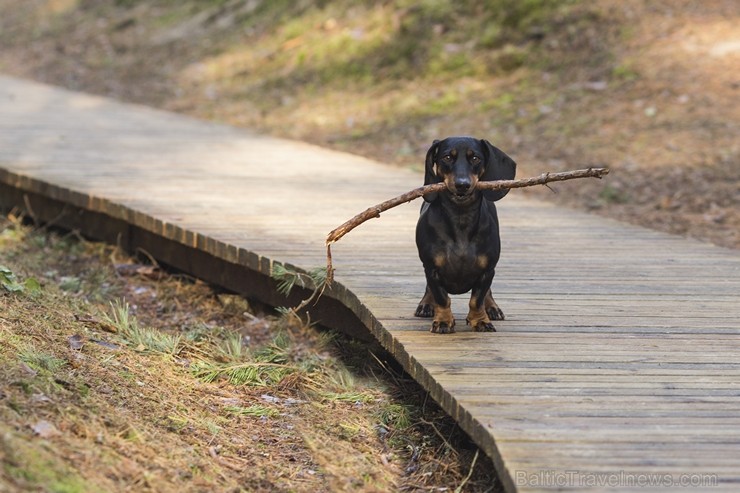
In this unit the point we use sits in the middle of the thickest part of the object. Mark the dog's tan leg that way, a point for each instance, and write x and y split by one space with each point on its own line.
444 322
426 305
492 308
478 317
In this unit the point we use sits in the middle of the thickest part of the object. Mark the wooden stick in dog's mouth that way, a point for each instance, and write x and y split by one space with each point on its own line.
376 210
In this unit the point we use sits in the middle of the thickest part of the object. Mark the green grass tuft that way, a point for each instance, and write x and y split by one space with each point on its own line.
231 347
255 411
40 361
141 338
258 374
397 416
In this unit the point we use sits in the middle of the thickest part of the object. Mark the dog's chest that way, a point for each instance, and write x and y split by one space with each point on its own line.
459 263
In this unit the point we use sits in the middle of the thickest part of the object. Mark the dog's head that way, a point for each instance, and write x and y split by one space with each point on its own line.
461 162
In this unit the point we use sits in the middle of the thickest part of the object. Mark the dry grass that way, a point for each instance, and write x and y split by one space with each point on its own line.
95 397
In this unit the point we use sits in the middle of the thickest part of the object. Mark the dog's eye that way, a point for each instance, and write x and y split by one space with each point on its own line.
447 158
474 160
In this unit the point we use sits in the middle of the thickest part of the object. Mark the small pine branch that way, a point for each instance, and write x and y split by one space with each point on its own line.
287 279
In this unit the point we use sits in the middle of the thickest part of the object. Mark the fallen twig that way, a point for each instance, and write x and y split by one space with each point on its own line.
470 473
376 210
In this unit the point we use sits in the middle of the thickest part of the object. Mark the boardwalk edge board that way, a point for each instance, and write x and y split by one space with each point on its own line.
101 219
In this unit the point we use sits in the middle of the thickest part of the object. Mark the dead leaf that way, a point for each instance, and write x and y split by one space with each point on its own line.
86 319
108 328
90 320
233 304
39 398
105 344
75 342
214 451
44 429
231 401
149 271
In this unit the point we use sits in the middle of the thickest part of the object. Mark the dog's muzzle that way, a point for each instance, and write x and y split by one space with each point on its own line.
461 194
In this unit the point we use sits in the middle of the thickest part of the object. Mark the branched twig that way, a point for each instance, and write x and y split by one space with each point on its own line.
315 295
376 210
470 473
440 435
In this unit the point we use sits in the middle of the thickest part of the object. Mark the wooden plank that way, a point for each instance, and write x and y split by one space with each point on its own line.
621 348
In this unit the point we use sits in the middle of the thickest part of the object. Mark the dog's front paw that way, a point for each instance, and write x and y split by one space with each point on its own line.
492 309
480 321
483 326
424 310
495 313
439 327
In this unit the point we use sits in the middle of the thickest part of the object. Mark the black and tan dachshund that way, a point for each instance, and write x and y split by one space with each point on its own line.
457 234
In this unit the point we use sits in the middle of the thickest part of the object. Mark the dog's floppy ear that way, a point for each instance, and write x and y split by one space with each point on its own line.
499 166
430 176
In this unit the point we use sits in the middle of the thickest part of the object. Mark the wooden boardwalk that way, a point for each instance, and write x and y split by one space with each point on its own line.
618 366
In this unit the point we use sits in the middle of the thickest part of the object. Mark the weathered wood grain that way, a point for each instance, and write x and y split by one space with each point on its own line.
620 354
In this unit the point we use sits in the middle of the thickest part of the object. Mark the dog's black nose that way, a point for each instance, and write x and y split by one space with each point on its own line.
462 185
